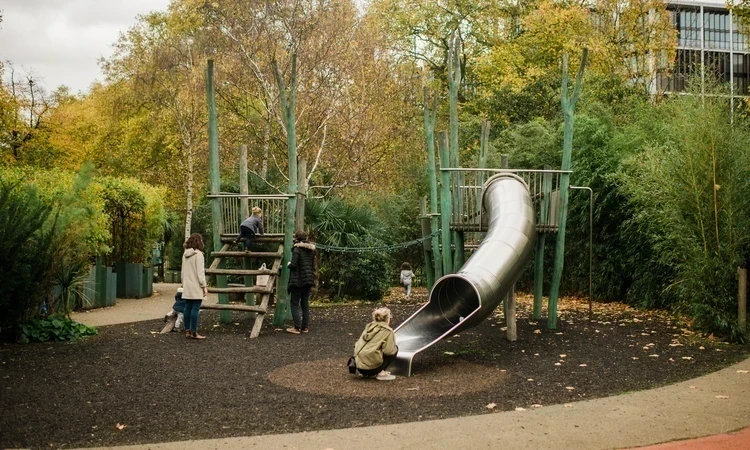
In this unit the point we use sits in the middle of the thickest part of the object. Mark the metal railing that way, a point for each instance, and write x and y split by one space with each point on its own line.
232 214
468 214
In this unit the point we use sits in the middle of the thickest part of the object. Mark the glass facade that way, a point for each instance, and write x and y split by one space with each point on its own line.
711 43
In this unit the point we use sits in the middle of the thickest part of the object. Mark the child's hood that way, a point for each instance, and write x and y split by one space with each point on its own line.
307 245
190 252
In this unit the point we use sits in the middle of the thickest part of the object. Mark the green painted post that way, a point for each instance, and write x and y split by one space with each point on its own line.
454 80
568 107
214 177
288 99
540 241
424 222
445 203
429 130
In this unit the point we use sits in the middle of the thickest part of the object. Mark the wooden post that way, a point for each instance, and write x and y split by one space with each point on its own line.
424 221
249 280
510 318
299 222
541 237
445 203
214 178
287 99
742 299
454 81
568 107
429 130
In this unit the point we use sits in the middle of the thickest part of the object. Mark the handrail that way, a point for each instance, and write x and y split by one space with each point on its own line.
259 197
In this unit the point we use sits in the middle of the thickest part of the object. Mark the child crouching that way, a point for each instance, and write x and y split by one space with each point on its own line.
177 309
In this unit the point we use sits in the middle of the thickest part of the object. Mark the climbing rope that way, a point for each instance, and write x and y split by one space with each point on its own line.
382 248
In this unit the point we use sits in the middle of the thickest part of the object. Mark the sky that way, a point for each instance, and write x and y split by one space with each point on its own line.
60 41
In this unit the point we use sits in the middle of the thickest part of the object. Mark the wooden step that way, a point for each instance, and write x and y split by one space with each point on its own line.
241 272
248 308
233 254
241 290
228 239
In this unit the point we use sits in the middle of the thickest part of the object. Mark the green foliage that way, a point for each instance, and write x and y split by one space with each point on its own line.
363 275
25 254
57 327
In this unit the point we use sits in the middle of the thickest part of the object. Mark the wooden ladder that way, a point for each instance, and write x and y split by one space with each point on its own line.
267 291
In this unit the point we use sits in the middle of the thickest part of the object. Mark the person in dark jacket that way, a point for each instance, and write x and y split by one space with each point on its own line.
301 280
250 227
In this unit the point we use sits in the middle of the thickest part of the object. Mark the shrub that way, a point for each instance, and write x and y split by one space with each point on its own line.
57 327
25 254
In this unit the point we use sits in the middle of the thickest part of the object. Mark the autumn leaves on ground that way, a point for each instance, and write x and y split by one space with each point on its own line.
131 376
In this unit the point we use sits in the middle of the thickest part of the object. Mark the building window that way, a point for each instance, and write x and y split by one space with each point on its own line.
687 22
716 29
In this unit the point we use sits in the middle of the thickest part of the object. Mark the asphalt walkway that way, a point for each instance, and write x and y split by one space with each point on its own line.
709 407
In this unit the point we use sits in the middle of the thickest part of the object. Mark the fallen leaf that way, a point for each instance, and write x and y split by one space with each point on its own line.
558 334
537 331
687 357
120 427
570 388
558 364
692 387
490 406
536 354
236 323
530 379
563 355
653 356
449 353
582 365
568 405
413 389
722 396
536 405
635 357
742 371
701 348
520 409
216 325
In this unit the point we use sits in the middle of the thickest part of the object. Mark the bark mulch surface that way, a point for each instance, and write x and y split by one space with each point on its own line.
129 385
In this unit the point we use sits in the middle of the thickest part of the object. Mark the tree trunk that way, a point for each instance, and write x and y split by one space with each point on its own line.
189 189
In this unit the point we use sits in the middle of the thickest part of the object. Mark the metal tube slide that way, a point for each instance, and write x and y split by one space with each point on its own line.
463 300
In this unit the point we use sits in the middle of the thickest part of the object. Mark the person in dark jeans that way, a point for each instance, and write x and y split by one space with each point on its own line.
250 227
302 272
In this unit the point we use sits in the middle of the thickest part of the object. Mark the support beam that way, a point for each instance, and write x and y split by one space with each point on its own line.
424 222
544 205
299 221
248 279
568 107
214 179
429 127
287 100
445 203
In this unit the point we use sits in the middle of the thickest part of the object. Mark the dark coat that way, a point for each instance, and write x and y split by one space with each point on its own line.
302 265
254 223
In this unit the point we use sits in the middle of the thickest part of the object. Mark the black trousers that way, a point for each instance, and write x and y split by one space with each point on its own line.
246 234
387 360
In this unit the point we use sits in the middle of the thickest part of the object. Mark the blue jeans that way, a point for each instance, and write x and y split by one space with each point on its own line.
192 307
300 298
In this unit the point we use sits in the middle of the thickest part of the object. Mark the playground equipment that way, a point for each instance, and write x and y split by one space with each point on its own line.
464 299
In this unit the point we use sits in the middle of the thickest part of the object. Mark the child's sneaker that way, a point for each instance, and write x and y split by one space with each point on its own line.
293 330
385 376
305 330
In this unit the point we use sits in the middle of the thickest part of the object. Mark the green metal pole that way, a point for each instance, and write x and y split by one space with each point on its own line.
568 106
454 80
445 203
429 129
214 178
288 101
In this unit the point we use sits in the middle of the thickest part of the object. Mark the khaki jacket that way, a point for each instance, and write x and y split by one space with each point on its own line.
377 340
193 274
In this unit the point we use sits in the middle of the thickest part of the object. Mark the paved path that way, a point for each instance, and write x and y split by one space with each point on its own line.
712 405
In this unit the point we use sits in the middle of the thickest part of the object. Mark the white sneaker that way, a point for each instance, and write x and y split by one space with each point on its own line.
385 376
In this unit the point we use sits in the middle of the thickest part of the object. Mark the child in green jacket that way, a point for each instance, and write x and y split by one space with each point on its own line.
376 347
